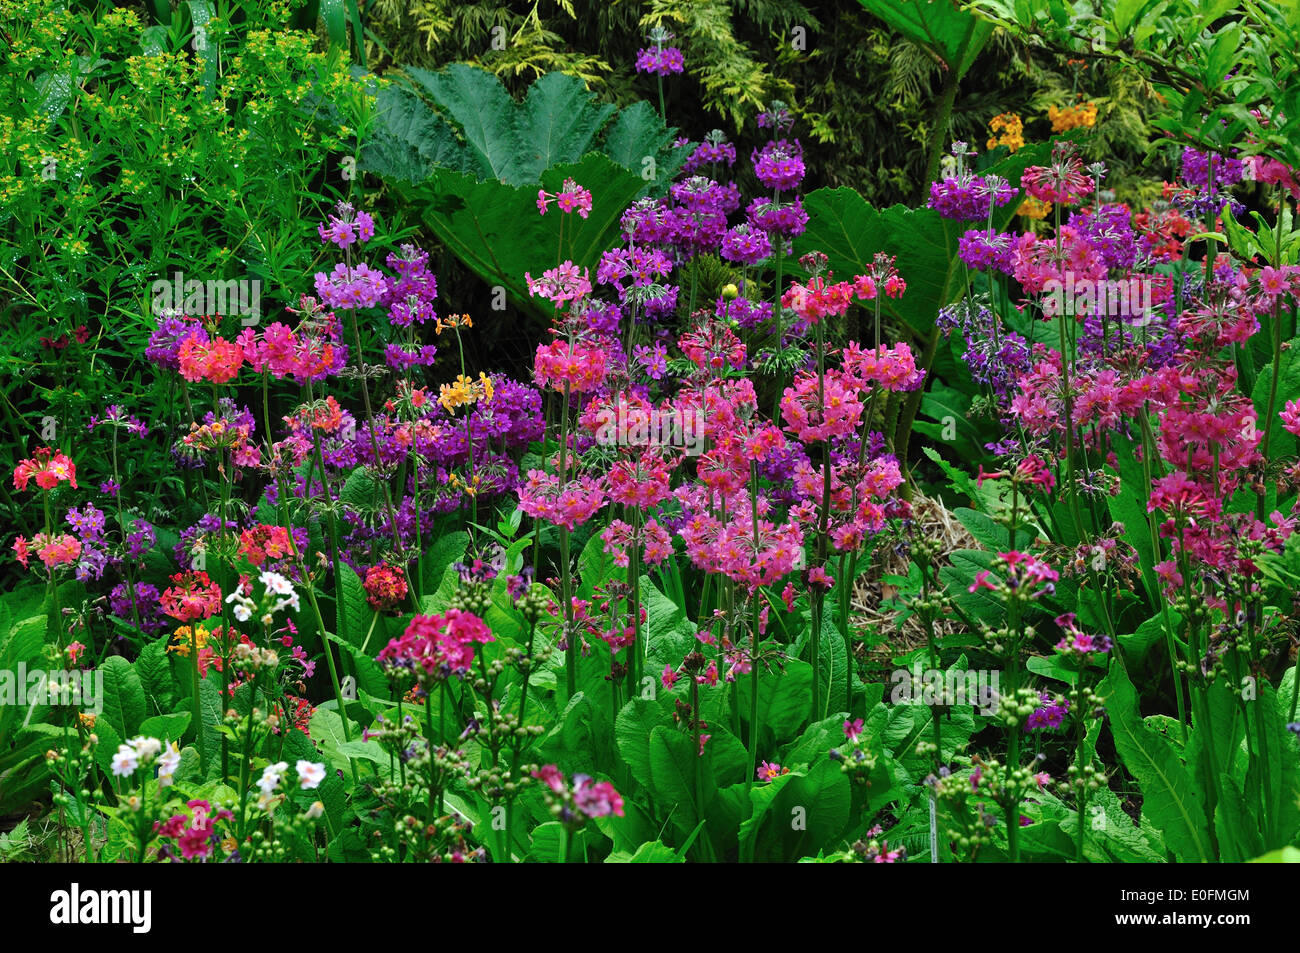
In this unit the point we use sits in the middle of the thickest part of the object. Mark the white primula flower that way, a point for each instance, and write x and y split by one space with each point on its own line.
289 602
310 774
168 762
146 748
243 613
125 761
276 583
270 779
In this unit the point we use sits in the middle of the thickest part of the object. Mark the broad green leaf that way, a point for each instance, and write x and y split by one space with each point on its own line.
652 852
638 718
1168 795
1281 443
798 815
954 35
124 701
674 765
990 534
784 702
156 676
327 731
166 728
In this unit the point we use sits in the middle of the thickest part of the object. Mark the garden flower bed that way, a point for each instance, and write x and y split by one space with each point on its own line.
421 463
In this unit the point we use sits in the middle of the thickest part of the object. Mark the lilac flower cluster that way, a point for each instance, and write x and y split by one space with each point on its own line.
358 286
996 358
1050 715
116 415
347 227
402 358
745 245
165 341
639 264
779 165
89 525
786 219
141 539
776 117
660 61
1194 169
714 150
412 292
779 468
602 317
144 596
209 524
747 314
1108 229
692 219
983 249
966 197
845 450
652 359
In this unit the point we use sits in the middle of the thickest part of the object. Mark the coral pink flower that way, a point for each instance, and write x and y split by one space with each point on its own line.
1062 180
55 550
581 366
560 284
568 506
191 596
47 467
812 416
818 299
385 587
217 361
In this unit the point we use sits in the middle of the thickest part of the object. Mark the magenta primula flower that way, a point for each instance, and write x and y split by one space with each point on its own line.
1078 643
746 245
1290 415
655 542
779 165
574 804
569 506
754 558
660 61
571 197
437 646
712 151
347 227
357 287
1022 570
